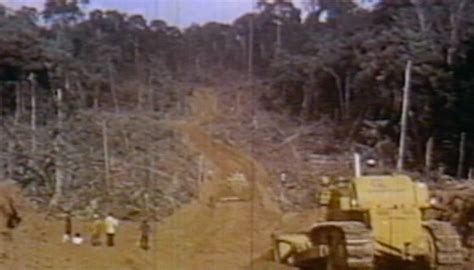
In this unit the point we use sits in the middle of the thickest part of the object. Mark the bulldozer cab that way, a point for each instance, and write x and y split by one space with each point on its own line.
342 203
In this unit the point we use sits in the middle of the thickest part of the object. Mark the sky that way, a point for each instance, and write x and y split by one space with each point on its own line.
175 12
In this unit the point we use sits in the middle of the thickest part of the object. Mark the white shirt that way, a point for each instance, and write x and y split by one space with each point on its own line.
111 225
77 240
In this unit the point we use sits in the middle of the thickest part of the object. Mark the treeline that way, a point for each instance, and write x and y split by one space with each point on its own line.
349 66
340 62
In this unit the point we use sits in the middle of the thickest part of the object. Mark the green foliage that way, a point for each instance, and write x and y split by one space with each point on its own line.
355 63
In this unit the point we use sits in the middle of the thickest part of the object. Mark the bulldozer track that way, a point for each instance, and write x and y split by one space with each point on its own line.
358 241
449 253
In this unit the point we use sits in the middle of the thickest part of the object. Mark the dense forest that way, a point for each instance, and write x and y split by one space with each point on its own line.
339 62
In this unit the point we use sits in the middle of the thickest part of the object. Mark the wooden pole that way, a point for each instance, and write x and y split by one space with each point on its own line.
404 117
462 155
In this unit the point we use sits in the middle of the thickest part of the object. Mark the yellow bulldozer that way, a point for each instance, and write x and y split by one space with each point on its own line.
373 222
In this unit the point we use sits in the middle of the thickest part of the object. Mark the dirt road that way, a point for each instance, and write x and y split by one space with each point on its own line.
225 235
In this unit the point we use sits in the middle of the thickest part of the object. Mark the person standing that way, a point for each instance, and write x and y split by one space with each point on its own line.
111 225
67 228
145 230
97 230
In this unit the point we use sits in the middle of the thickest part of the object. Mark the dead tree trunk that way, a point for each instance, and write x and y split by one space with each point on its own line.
106 156
429 155
113 89
58 142
347 95
420 14
250 50
404 117
462 155
33 111
17 102
24 98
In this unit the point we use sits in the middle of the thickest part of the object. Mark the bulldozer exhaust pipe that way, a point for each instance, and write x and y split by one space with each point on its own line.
357 168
